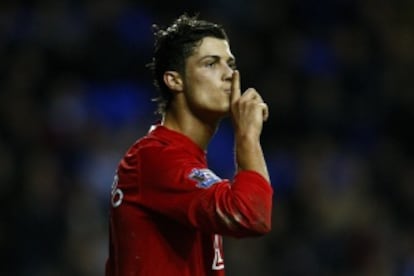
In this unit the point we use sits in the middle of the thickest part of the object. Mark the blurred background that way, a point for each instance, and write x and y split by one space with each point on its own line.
337 75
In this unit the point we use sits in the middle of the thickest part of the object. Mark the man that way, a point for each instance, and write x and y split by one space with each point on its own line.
168 210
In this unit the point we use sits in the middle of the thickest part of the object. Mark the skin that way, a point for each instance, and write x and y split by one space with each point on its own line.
209 91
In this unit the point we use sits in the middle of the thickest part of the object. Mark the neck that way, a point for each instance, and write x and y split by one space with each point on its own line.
198 131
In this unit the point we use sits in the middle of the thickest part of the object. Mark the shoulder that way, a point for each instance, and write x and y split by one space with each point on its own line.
155 148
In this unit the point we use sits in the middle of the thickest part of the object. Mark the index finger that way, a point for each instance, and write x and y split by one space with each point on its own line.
235 86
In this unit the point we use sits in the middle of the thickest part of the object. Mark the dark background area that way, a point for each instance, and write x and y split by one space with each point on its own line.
338 78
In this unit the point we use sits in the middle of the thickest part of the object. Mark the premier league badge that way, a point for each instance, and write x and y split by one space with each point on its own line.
205 178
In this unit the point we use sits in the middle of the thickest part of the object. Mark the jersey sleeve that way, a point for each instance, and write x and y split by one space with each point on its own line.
178 185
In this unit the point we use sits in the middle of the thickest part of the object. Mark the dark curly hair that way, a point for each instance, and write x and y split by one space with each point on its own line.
173 45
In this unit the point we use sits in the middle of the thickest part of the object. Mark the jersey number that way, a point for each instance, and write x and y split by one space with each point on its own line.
116 194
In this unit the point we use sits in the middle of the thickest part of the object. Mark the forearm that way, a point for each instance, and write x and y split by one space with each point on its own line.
249 155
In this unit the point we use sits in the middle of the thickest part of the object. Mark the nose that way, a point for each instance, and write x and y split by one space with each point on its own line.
228 72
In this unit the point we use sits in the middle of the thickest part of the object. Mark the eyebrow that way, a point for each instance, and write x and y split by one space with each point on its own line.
217 57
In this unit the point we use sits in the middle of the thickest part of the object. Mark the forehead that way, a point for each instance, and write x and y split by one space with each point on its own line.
211 46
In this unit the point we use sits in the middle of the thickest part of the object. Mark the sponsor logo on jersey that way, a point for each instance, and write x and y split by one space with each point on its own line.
205 178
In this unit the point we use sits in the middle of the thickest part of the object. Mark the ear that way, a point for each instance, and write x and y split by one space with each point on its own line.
173 80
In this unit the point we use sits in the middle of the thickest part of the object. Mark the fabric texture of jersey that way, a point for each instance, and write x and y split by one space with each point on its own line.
169 211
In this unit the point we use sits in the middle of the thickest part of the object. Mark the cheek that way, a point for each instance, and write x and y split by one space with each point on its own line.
202 89
201 86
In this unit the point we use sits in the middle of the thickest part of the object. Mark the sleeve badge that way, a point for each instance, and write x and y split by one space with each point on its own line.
205 178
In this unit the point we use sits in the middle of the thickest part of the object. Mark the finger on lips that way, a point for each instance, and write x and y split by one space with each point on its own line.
235 86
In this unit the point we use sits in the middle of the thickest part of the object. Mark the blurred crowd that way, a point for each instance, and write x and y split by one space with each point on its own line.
338 78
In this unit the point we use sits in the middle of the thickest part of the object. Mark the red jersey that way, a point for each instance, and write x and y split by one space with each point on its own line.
169 211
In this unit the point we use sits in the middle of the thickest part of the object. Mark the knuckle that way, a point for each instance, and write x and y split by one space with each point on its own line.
251 90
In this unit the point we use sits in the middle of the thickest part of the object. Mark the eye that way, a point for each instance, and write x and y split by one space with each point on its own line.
232 65
210 64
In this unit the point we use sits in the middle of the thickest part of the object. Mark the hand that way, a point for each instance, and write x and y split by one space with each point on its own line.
248 111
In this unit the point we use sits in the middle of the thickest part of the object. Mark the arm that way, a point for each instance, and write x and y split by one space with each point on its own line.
184 189
248 111
249 155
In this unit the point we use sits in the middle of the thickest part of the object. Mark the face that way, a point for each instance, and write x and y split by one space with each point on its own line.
208 76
